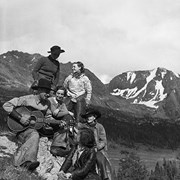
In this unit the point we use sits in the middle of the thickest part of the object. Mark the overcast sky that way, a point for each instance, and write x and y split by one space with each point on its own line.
109 36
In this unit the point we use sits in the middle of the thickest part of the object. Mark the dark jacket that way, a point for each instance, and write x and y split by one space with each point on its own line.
84 168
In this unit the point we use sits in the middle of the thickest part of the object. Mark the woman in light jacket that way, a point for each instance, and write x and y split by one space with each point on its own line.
79 90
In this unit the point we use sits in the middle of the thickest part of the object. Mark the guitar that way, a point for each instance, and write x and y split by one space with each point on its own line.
37 120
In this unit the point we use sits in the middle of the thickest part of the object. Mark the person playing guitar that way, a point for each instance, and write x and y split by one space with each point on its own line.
27 126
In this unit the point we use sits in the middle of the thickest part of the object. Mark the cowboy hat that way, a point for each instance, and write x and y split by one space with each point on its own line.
89 112
56 48
43 83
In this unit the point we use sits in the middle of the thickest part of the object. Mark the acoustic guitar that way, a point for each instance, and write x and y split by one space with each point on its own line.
37 120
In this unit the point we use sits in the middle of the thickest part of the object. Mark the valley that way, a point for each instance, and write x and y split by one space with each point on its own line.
149 156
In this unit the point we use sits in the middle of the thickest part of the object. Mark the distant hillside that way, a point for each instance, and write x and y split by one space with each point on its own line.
136 106
133 95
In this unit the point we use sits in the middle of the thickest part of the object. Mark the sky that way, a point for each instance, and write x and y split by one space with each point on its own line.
109 36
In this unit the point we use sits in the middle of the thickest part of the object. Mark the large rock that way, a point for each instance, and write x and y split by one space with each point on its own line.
49 165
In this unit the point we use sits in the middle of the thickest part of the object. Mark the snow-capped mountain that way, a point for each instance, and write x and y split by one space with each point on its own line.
145 87
133 94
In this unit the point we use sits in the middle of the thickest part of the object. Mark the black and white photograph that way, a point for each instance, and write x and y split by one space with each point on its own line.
90 90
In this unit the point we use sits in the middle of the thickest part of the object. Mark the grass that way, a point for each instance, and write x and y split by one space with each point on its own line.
148 155
9 172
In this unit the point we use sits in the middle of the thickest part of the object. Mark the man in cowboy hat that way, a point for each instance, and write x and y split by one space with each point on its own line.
26 156
48 67
91 117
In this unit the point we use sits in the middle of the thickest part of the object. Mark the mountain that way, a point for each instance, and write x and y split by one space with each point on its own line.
16 69
158 89
130 96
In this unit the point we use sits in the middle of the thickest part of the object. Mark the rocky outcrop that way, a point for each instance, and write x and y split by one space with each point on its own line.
49 165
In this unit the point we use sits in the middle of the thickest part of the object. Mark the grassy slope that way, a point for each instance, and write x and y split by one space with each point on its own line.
148 155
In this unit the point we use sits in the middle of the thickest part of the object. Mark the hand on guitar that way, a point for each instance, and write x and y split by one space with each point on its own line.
62 124
25 120
71 113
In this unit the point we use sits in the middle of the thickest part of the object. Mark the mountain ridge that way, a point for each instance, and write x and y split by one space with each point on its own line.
136 93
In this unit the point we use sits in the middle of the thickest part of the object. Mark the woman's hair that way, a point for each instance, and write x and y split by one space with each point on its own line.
61 88
87 138
81 65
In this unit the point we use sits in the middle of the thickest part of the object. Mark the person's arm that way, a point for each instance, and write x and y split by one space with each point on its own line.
57 111
9 107
62 111
56 76
88 88
102 140
36 69
65 83
68 161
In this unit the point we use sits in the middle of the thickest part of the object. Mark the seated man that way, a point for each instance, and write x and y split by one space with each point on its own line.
91 117
61 140
26 156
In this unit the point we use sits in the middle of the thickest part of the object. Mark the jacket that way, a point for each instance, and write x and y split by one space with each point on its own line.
78 86
47 68
84 167
99 134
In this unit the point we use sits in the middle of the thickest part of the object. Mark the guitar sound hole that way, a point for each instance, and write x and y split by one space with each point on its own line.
33 118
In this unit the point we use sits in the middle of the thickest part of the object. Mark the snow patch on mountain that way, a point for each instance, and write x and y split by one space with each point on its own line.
159 96
33 59
16 56
131 76
177 75
137 96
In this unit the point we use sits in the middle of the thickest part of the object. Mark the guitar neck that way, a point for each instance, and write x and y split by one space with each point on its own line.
52 121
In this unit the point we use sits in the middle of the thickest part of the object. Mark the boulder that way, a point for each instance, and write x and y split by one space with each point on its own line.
49 165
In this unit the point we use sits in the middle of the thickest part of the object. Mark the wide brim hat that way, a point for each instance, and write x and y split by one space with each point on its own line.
91 112
43 83
56 48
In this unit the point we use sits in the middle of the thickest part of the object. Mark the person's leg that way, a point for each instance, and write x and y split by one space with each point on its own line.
79 108
60 144
101 162
68 103
29 149
59 151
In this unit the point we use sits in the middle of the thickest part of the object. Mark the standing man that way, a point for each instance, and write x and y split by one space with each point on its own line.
26 156
48 67
79 90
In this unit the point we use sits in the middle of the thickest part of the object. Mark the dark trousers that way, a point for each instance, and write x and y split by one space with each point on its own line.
101 162
77 108
63 139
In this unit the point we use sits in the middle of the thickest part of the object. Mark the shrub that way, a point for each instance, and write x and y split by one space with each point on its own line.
168 171
131 168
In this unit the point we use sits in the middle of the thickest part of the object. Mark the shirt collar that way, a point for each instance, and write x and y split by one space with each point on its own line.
77 75
50 58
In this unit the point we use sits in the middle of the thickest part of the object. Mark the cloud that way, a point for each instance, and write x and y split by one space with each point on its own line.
104 78
110 37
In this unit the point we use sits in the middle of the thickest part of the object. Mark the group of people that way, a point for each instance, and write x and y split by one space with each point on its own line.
84 147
